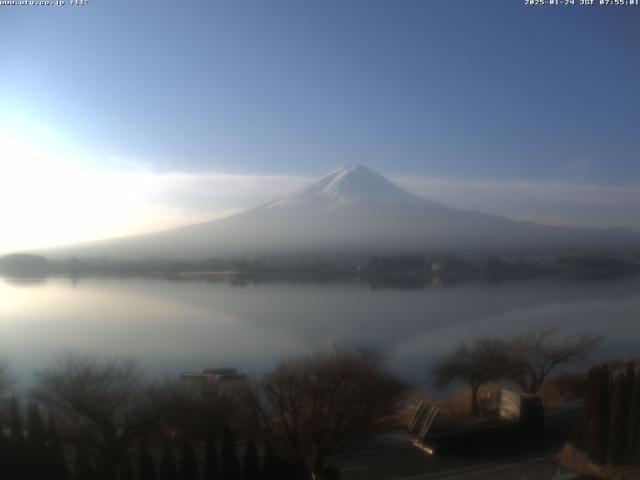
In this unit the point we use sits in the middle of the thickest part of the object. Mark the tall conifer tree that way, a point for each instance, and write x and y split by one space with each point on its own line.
146 465
584 428
168 470
125 469
250 462
188 462
57 464
17 444
270 464
616 444
210 457
36 444
83 466
597 446
633 443
229 467
4 457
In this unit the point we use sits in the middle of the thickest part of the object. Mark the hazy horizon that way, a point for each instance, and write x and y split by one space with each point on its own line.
175 200
180 118
353 211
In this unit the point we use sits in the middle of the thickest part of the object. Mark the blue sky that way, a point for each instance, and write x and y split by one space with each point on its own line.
469 91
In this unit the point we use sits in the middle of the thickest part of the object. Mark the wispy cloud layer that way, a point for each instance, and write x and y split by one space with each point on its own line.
553 203
52 196
47 198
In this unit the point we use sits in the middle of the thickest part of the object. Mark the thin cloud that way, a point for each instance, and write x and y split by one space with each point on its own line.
553 203
47 199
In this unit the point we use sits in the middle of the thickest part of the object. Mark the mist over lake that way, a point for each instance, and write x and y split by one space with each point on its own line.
175 326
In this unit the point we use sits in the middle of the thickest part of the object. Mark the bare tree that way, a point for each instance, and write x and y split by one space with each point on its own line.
309 406
532 356
193 411
104 403
476 364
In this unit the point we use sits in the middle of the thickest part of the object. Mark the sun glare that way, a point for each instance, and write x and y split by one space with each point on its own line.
49 196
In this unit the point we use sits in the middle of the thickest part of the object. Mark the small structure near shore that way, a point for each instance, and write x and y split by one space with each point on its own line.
524 408
516 414
214 380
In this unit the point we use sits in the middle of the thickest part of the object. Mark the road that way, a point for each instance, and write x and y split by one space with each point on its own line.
392 457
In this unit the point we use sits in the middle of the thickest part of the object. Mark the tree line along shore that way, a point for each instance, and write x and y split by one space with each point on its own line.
408 271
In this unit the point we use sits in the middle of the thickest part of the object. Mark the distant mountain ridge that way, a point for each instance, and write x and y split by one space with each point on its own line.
354 210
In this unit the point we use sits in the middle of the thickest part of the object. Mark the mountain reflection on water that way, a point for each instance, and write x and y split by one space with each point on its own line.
178 325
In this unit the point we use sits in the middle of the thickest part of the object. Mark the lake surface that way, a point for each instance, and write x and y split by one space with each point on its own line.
173 326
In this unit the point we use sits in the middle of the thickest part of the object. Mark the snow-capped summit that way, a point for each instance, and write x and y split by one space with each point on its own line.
348 184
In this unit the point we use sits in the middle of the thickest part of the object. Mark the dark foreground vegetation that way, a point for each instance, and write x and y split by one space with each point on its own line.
610 428
90 418
606 443
403 271
103 421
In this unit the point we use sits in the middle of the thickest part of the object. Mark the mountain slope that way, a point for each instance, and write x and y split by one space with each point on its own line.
354 210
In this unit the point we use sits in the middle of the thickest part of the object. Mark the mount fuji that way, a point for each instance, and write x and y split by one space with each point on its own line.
353 210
